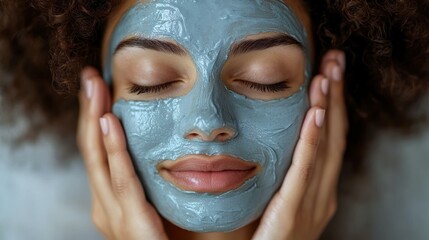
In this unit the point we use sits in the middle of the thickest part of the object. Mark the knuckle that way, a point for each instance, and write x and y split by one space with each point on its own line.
120 186
114 149
310 141
305 172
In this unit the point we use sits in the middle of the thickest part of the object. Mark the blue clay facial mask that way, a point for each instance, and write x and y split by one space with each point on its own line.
262 133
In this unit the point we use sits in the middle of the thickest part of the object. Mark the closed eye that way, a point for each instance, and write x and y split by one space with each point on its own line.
276 87
138 89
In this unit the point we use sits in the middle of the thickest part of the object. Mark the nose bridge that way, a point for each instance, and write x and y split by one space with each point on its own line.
208 114
208 111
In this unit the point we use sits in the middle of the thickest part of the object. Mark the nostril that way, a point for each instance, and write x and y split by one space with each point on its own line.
192 136
219 135
223 134
222 137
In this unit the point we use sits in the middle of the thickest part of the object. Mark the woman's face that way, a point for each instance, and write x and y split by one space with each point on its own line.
211 95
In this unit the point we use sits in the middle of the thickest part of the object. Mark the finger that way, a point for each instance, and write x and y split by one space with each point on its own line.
286 202
337 113
99 217
333 55
92 106
337 126
300 172
93 99
89 72
319 91
314 188
125 182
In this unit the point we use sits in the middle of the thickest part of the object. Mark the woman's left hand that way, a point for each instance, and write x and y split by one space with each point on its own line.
306 201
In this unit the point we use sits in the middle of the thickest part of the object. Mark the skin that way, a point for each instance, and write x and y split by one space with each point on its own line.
301 208
169 123
273 63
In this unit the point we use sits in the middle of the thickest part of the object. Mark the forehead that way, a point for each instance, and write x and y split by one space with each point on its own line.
206 28
207 21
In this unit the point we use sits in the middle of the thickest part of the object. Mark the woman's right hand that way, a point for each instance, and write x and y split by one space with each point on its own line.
118 200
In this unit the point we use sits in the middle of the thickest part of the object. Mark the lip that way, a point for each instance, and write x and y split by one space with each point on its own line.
207 174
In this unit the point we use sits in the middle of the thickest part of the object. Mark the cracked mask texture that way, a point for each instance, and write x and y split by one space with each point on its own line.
267 131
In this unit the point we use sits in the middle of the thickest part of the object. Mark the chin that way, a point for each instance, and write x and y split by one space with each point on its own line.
212 212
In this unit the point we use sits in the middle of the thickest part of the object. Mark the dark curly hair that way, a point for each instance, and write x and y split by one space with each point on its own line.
386 44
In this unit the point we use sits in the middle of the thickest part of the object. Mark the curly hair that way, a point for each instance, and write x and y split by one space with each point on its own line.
386 44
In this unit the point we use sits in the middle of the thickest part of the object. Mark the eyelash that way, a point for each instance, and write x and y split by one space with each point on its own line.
137 89
276 87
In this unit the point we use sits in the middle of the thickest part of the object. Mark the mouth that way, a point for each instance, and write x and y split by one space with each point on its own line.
207 174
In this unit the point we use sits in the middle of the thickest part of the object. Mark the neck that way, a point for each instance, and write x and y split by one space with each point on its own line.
243 233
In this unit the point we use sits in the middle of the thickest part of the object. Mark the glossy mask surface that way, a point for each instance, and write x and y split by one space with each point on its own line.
266 131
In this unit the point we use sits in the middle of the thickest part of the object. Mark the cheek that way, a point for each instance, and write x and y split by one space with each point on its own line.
269 131
274 123
146 124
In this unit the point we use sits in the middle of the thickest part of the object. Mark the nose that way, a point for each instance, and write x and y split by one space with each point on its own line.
217 135
208 116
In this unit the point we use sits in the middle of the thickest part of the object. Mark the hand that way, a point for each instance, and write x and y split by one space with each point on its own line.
120 209
306 201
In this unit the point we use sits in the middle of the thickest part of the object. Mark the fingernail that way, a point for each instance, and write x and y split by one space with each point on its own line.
341 58
104 125
320 117
88 88
336 73
325 86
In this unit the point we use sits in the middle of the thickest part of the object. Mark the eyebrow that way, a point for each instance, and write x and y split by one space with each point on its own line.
154 44
263 43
